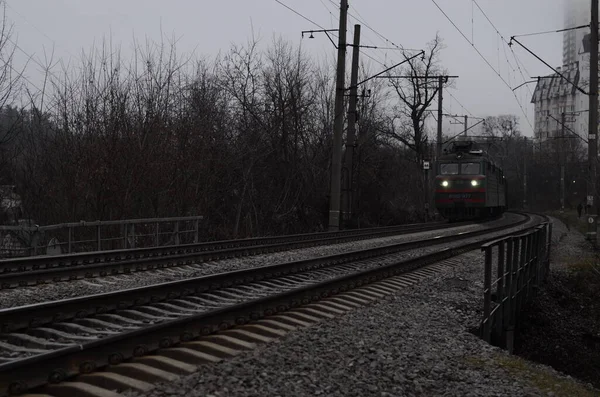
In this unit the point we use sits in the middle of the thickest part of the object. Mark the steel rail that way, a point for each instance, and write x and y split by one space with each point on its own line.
16 318
58 365
74 266
81 258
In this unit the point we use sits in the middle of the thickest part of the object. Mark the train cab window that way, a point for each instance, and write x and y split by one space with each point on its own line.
470 169
449 169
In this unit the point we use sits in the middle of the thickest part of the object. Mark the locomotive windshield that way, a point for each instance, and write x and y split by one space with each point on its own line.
470 168
449 169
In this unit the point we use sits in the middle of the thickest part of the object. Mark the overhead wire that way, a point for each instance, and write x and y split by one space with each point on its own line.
504 41
361 19
299 14
459 104
486 61
552 31
329 11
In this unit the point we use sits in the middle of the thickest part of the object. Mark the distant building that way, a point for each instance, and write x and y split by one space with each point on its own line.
553 96
578 13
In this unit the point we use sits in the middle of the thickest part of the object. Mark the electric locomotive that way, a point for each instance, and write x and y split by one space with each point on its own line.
469 184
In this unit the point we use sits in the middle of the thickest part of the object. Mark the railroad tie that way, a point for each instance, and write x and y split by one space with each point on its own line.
112 381
189 355
269 332
214 349
276 324
167 364
142 372
79 389
231 342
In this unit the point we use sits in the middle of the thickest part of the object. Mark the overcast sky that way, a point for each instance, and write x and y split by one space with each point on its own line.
208 27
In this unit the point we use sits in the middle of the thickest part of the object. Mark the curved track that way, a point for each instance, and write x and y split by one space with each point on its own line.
69 337
46 269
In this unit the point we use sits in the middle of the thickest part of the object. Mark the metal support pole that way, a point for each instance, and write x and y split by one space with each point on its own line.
562 164
99 240
347 193
338 125
466 125
426 176
593 127
70 239
440 116
525 177
156 234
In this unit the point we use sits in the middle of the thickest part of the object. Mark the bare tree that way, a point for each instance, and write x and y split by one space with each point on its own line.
503 126
415 91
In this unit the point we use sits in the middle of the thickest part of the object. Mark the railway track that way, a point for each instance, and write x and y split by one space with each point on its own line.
76 336
46 269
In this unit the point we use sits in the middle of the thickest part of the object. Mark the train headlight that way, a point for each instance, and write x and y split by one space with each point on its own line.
474 183
445 183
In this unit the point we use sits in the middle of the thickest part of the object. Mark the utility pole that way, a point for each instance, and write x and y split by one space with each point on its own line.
347 193
525 176
593 128
338 125
562 163
440 116
466 125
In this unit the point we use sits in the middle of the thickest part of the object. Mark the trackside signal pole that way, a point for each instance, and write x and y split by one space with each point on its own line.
562 162
593 128
438 152
349 180
338 124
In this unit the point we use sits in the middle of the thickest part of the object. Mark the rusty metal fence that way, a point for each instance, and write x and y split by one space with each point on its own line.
66 238
515 267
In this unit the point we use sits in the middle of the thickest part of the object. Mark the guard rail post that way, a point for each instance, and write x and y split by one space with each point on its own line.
487 293
70 239
98 237
500 292
508 306
156 235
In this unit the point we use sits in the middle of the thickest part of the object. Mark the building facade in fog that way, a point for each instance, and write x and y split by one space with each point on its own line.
577 13
554 95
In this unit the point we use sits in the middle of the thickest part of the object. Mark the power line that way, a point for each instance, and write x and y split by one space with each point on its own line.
553 31
361 19
504 45
486 61
300 15
489 20
460 104
333 17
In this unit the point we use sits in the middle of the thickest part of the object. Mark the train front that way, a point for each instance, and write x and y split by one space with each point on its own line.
460 187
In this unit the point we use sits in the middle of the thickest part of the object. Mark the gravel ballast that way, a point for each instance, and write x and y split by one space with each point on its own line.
75 288
414 343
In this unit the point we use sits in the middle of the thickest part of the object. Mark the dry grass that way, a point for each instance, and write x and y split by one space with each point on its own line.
570 219
541 378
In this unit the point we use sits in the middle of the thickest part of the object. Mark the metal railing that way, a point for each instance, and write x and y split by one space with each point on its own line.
66 238
520 264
